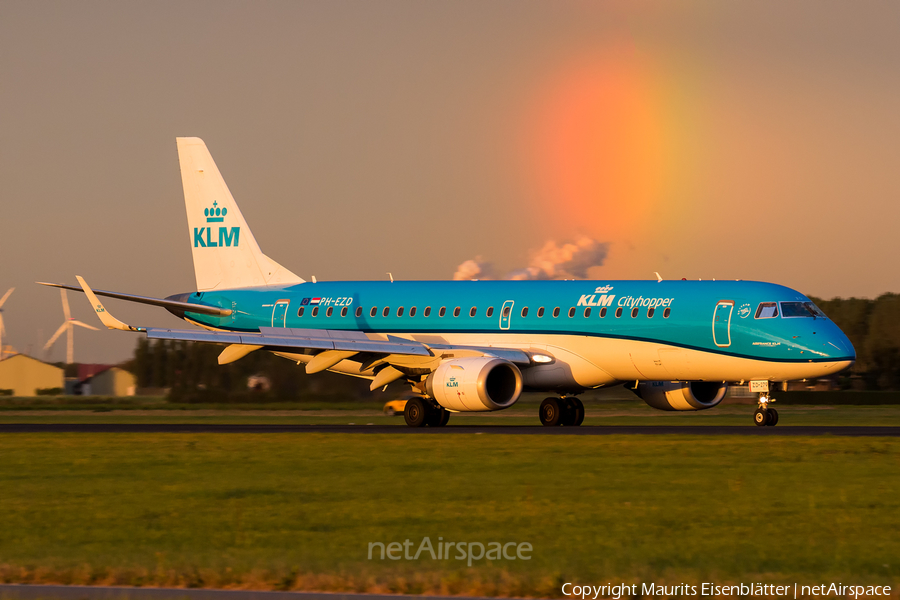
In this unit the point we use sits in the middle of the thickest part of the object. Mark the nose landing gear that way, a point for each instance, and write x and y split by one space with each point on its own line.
765 416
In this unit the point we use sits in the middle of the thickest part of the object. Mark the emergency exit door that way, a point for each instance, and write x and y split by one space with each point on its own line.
278 313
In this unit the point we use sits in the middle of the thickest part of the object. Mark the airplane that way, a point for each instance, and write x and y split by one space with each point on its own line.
474 346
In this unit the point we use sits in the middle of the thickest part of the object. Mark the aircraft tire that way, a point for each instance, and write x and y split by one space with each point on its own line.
435 416
567 418
416 412
772 421
551 412
579 411
760 417
445 416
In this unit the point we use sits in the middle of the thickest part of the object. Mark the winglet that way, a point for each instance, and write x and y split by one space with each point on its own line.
107 319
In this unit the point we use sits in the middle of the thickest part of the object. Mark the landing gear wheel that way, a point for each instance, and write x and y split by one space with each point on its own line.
437 416
761 417
772 421
568 412
416 412
578 409
551 412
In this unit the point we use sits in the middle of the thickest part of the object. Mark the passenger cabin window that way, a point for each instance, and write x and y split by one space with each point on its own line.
427 311
800 309
587 312
541 312
650 312
400 312
412 311
505 311
386 311
602 312
555 312
666 313
456 312
490 311
525 311
766 310
571 312
344 312
329 312
374 311
443 311
359 311
618 312
634 312
300 312
315 312
472 311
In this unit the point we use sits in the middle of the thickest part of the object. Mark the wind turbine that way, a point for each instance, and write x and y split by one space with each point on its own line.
2 329
67 326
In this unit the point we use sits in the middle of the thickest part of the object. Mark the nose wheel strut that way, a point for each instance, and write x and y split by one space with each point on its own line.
765 415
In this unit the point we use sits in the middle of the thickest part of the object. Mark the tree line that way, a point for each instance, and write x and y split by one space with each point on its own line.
873 327
191 373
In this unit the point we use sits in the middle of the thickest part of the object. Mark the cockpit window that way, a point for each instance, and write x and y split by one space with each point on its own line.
800 309
766 310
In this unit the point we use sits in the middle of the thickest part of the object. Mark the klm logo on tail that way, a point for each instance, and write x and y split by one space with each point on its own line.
204 237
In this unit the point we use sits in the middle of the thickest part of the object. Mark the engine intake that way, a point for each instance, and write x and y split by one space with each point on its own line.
475 384
681 395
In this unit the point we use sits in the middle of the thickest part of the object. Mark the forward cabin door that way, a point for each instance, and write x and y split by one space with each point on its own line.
278 313
722 323
506 314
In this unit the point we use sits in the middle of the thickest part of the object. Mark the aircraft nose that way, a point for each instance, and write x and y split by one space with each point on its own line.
839 340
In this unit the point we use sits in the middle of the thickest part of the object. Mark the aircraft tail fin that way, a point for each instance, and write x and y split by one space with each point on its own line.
225 252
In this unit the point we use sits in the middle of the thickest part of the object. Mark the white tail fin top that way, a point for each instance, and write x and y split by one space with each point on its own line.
225 252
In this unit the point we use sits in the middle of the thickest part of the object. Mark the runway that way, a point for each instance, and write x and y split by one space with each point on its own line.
749 430
80 592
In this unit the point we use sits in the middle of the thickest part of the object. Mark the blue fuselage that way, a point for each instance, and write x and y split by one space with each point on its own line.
755 320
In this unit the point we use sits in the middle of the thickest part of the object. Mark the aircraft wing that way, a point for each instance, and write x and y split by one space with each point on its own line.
386 357
313 339
349 342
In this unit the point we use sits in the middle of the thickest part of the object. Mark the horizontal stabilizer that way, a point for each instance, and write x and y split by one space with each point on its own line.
200 309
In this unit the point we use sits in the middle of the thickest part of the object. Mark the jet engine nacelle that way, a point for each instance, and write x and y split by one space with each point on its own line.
681 395
475 384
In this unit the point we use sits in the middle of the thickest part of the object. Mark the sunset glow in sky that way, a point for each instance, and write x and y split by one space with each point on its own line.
752 140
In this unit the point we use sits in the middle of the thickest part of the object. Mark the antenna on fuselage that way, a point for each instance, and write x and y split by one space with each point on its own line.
658 278
314 278
391 276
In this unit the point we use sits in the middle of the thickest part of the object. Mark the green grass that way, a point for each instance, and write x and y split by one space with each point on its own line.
297 511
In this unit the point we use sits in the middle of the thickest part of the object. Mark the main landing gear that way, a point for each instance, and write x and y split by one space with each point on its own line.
765 415
420 412
561 411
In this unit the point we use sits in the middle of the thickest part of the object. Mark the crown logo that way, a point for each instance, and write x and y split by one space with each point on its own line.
215 214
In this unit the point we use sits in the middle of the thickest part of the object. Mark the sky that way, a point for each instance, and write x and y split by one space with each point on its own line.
752 140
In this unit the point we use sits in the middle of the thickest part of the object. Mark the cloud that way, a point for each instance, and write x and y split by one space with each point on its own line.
570 260
474 269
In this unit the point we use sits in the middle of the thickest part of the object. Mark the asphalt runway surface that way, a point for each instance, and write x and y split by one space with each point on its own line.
79 592
784 430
